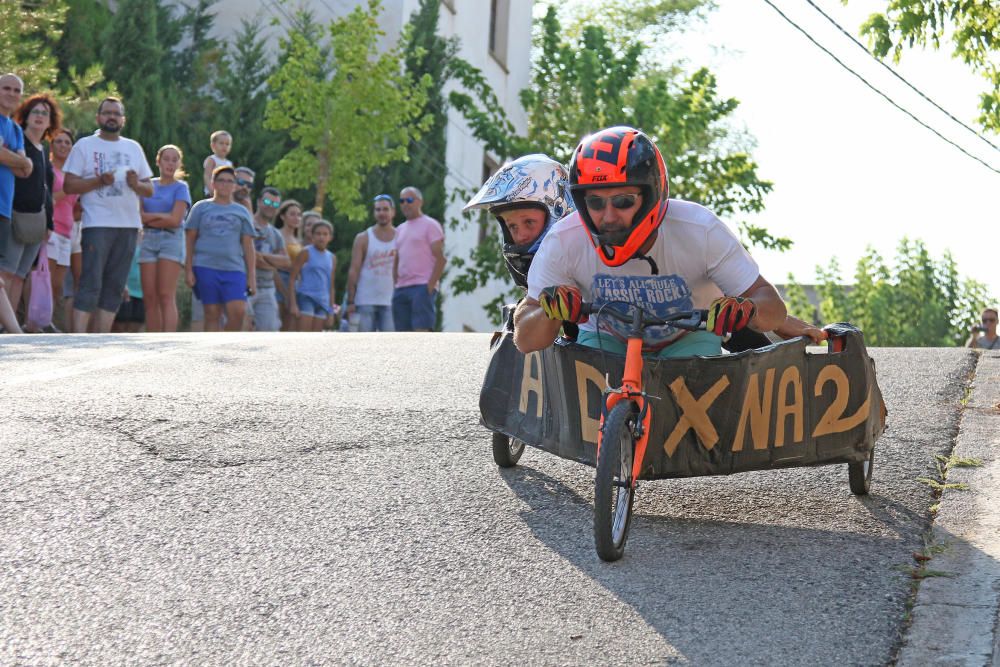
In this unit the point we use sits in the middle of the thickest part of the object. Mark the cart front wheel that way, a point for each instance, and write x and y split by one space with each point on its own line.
613 490
860 475
506 451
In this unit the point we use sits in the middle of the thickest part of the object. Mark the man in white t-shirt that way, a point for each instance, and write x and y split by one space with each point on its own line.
627 242
110 173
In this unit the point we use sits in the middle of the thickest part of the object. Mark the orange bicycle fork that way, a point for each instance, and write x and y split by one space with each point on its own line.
630 390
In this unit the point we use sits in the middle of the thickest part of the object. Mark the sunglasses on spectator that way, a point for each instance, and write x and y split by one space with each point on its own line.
621 202
273 203
407 200
243 182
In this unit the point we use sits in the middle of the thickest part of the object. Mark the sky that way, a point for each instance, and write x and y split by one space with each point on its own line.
849 170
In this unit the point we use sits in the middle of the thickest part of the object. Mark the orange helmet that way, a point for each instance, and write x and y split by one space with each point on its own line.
613 158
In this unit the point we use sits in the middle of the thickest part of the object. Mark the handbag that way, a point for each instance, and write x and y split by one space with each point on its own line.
29 228
40 301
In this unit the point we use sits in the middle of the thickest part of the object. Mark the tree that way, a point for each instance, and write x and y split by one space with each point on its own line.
915 303
360 116
596 81
133 62
28 38
973 28
797 301
79 47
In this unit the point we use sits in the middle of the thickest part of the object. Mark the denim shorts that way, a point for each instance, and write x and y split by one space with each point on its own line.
375 318
15 257
413 308
160 244
216 287
311 306
107 258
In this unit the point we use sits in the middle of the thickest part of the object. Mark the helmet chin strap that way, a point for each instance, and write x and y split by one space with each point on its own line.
652 263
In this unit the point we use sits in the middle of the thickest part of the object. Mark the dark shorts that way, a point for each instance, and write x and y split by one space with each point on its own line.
413 308
133 310
216 287
107 258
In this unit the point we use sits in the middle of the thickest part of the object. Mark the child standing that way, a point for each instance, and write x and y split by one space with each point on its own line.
220 260
312 298
222 143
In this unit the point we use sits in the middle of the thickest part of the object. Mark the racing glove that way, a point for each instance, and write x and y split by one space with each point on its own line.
729 314
562 302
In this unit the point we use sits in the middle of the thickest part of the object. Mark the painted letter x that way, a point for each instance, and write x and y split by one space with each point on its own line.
694 414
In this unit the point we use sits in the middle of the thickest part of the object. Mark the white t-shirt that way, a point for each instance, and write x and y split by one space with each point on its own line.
696 254
115 205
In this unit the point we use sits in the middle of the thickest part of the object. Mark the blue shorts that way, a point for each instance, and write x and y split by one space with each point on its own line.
215 287
413 308
311 306
160 244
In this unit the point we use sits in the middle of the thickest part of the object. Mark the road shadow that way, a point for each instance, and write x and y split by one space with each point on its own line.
727 592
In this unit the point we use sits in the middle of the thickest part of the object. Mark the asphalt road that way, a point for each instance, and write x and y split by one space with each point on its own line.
331 498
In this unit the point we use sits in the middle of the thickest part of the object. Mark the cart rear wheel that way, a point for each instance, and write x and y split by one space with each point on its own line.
613 490
506 451
860 475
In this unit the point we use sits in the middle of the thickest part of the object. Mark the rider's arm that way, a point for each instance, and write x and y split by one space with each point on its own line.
533 330
793 326
771 310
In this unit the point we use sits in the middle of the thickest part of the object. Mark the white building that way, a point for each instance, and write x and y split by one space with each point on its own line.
495 36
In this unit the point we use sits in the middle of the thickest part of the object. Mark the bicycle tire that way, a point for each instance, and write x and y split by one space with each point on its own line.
506 451
613 490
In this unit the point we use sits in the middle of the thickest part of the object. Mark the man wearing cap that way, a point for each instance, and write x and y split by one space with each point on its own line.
369 280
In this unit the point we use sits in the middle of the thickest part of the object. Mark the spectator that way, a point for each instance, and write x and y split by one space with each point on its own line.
309 218
243 194
269 248
989 340
369 280
60 245
418 267
131 314
220 262
13 163
221 142
162 248
289 221
110 173
312 299
39 117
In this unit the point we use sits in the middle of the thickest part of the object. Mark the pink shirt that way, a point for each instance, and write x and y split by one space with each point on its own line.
62 212
413 247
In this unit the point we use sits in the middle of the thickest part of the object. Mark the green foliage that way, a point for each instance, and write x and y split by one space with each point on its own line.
917 302
797 301
349 109
81 94
28 38
596 80
133 61
973 28
82 39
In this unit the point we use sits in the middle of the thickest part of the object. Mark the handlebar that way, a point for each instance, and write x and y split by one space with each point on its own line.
691 320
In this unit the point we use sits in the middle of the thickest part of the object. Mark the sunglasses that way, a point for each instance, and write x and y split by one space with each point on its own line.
271 202
244 183
407 200
621 202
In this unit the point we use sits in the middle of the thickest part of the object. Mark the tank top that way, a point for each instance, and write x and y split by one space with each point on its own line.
62 212
375 282
314 279
983 345
220 162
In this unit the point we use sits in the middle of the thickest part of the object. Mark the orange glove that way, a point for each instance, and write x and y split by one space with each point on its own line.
562 302
729 314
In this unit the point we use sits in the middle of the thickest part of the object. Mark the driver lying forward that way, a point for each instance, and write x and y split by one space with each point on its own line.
629 243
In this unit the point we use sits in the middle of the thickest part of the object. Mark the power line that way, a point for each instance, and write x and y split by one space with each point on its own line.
898 76
876 90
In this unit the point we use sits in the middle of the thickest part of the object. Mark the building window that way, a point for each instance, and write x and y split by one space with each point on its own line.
489 168
499 20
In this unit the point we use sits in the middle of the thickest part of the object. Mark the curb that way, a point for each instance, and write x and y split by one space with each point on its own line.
955 618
